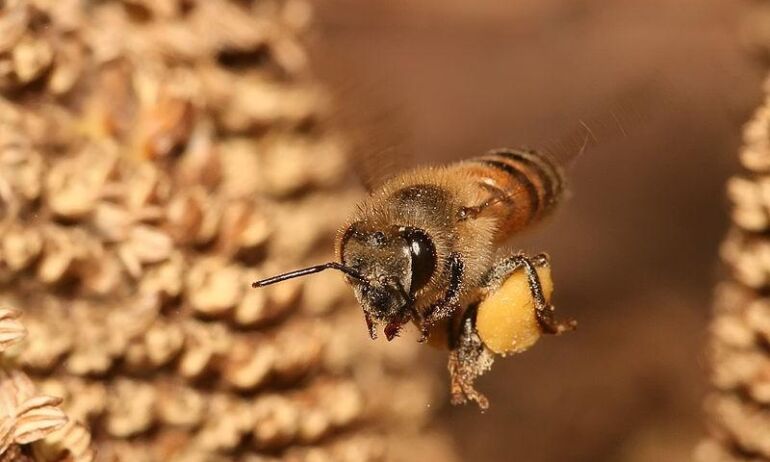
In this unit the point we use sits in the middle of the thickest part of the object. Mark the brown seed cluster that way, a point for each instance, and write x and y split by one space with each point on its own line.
32 426
156 157
739 406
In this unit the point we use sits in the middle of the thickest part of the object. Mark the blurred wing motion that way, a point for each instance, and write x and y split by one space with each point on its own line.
623 114
375 129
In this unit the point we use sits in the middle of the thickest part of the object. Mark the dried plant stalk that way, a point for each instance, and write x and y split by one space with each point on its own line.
740 331
155 158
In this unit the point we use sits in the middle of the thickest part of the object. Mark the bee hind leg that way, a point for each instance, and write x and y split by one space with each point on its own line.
468 360
544 311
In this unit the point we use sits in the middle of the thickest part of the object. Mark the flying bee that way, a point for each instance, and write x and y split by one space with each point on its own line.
426 247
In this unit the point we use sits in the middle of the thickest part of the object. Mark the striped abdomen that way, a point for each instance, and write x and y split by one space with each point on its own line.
523 185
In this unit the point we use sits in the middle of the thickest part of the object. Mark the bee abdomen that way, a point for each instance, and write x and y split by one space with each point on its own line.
529 184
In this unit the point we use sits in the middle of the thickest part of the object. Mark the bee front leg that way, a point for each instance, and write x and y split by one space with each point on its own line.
544 311
449 302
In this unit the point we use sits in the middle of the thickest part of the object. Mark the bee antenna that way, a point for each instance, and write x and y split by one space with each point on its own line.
310 270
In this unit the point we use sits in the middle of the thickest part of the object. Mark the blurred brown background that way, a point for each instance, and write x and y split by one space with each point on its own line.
634 249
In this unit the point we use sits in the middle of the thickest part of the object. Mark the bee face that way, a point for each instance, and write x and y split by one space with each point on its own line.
395 263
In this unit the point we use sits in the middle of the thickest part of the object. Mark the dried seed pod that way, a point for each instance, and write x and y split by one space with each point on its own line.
200 164
231 419
83 400
166 279
46 343
181 406
740 362
73 186
148 158
165 127
102 275
13 24
111 221
249 363
36 418
212 287
265 306
22 171
20 247
71 442
7 424
31 57
204 344
68 65
277 422
193 217
130 408
11 330
148 244
243 229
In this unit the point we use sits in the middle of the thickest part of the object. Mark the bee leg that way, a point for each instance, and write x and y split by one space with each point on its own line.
468 360
544 311
471 212
450 302
370 326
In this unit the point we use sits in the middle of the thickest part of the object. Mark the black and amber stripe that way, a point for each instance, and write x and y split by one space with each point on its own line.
528 183
544 169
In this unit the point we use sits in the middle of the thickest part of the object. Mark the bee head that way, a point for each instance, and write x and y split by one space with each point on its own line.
394 264
386 268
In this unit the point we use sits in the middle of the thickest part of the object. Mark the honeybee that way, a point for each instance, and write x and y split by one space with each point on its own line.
426 247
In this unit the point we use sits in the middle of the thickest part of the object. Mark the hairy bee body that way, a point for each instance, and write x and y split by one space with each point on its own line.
466 209
425 248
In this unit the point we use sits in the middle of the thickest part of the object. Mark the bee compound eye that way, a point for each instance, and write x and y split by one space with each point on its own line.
423 256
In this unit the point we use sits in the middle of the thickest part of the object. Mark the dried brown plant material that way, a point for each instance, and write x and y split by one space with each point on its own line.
69 60
84 400
74 185
72 442
31 57
739 417
21 174
270 305
13 23
159 162
102 274
205 344
181 406
200 164
231 419
249 363
130 408
146 244
20 247
36 418
213 287
167 127
46 343
11 330
157 347
244 228
25 416
755 153
277 421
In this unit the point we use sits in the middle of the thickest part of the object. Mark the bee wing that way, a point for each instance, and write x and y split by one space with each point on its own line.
375 131
626 112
